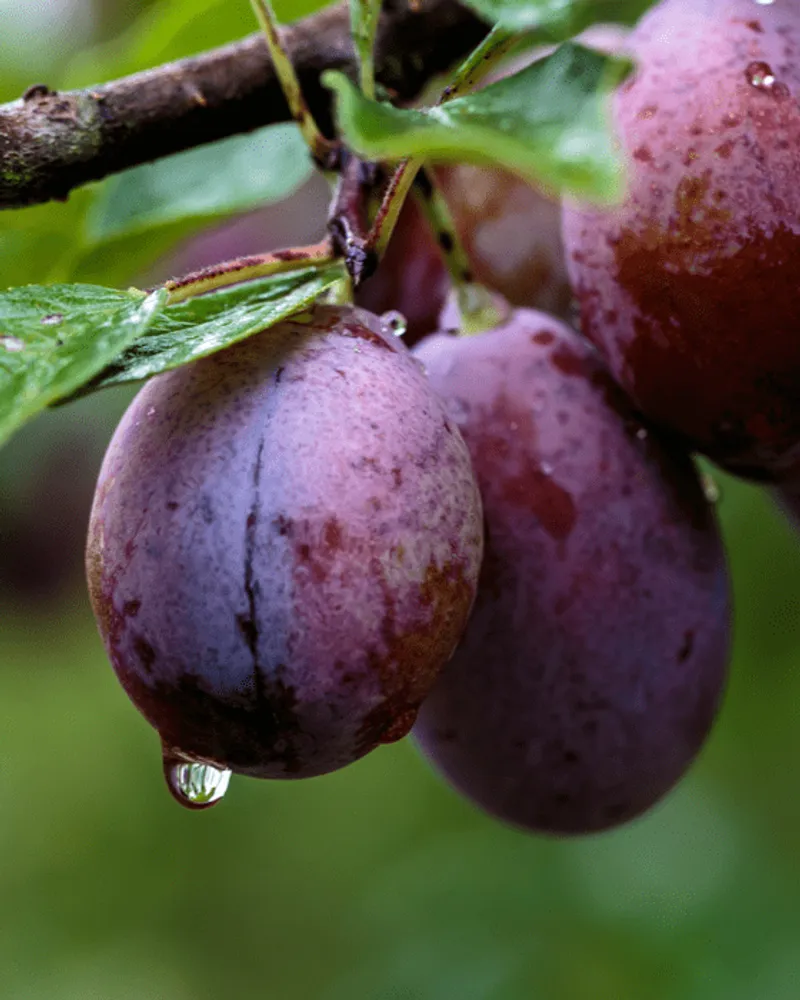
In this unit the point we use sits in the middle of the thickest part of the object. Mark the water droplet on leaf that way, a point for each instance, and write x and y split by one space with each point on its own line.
12 344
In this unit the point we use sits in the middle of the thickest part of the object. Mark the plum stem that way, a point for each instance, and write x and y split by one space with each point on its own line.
476 304
233 272
323 150
347 220
495 45
364 16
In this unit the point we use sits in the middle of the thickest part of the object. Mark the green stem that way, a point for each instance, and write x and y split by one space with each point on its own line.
321 148
364 24
476 304
480 62
233 272
431 202
393 199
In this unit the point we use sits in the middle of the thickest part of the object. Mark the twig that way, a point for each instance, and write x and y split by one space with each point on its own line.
51 143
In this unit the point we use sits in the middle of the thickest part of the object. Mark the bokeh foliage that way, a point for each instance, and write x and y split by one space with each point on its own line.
375 883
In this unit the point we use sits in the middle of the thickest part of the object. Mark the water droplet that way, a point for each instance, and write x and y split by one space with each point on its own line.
150 411
53 319
711 488
642 434
395 322
764 3
195 784
12 344
760 75
513 426
547 469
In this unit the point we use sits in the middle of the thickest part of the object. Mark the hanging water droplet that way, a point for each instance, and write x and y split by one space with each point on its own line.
711 488
195 784
52 320
760 75
12 344
394 322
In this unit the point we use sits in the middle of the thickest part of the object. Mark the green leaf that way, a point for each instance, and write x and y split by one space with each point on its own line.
193 329
215 180
55 338
549 123
557 20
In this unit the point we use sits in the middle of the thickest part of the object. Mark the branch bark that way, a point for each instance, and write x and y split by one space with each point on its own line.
53 142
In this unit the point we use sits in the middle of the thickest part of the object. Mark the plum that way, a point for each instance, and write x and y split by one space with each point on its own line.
689 286
595 657
284 547
512 234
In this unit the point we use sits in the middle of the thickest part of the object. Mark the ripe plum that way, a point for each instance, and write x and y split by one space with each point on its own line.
595 657
689 287
284 547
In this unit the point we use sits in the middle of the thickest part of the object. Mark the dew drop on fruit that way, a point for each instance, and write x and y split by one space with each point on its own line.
194 784
394 322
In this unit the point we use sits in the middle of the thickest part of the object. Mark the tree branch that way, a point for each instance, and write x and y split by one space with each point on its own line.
53 142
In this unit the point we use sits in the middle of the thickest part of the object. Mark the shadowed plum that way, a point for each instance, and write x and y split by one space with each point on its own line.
595 657
689 288
284 547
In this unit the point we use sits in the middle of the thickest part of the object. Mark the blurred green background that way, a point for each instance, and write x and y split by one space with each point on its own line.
376 883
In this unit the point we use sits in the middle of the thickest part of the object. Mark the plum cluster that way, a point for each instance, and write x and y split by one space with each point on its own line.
317 540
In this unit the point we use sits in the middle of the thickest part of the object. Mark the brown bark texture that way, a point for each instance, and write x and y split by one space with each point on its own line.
53 142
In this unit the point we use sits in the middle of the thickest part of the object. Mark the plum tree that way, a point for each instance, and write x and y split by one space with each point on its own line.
689 287
594 660
284 547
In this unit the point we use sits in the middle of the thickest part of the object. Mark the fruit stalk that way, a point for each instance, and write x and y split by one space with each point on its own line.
322 149
233 272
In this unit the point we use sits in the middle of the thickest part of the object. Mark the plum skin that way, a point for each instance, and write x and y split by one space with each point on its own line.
595 657
689 287
284 547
